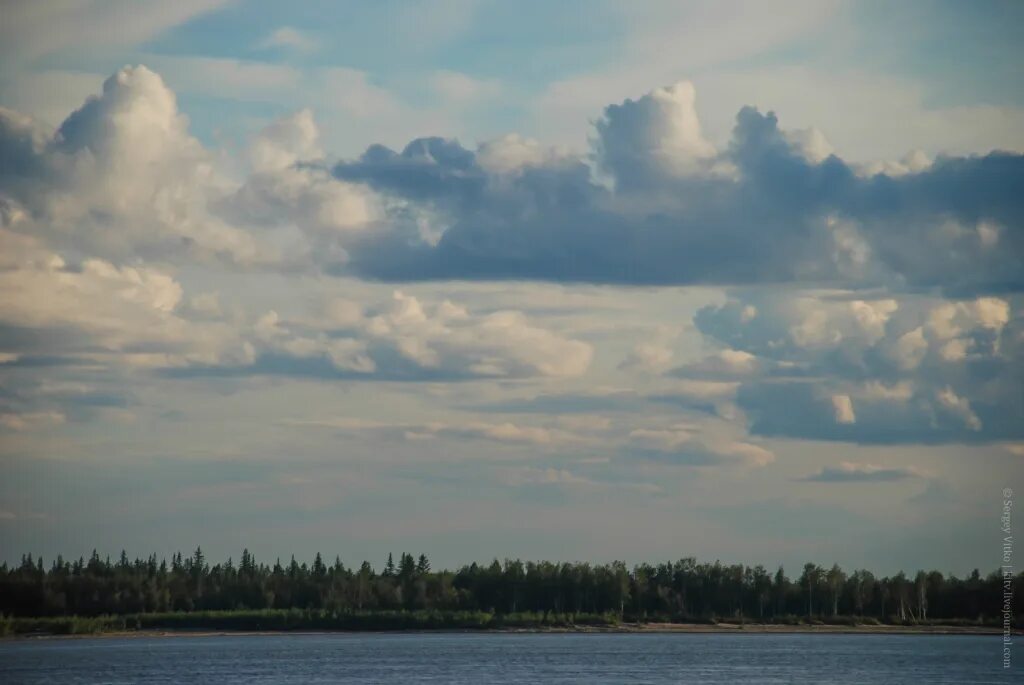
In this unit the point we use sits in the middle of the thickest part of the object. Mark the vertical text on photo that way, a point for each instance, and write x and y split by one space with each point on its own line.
1006 528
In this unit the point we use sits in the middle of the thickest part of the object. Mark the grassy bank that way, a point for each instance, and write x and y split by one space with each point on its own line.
283 620
296 619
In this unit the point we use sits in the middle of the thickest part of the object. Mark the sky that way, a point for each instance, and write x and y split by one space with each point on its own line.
574 281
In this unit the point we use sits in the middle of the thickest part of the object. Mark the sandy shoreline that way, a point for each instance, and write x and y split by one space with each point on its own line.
627 628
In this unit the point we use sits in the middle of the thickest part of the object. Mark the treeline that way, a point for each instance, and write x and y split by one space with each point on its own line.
340 596
299 619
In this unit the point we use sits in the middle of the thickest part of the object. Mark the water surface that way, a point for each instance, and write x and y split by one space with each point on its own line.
459 658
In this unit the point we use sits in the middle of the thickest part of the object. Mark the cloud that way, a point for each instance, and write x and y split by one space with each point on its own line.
862 113
959 407
563 478
405 339
663 41
49 94
458 88
647 357
503 343
288 190
352 93
685 445
679 212
30 420
898 319
290 38
586 402
842 406
642 142
654 354
39 398
508 432
512 153
361 108
241 80
654 202
130 314
34 30
121 178
722 365
911 368
849 472
705 396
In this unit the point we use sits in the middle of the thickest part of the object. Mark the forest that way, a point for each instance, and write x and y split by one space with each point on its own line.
190 592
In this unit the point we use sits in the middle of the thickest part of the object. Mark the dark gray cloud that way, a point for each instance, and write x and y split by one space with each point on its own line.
929 416
427 169
758 212
19 148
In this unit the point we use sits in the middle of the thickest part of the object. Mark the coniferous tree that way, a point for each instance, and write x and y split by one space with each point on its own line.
680 591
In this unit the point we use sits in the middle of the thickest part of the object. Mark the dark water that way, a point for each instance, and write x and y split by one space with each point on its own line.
519 658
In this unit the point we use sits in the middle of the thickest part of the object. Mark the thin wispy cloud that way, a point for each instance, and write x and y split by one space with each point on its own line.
289 38
848 472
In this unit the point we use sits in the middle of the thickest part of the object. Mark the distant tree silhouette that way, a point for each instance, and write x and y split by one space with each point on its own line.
679 591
